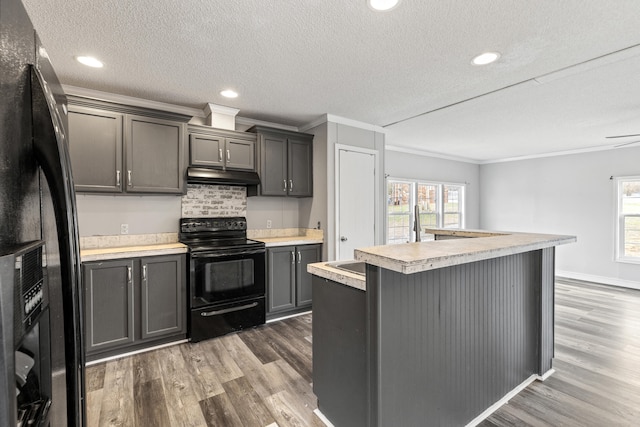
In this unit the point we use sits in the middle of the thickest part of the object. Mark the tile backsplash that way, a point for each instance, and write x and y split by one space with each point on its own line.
205 200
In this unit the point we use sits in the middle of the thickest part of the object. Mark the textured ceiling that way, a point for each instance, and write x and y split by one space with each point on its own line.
407 70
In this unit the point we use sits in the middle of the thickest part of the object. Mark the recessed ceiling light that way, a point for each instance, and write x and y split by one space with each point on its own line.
89 61
228 93
382 5
485 58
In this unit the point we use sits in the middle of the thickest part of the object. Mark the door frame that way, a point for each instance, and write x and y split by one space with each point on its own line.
336 193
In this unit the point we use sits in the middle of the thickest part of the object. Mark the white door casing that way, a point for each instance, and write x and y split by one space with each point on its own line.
356 197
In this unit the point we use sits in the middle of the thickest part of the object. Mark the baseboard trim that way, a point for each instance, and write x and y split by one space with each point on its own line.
322 418
277 319
602 280
507 397
131 353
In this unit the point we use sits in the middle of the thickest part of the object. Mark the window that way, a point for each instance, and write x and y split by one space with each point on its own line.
440 206
628 219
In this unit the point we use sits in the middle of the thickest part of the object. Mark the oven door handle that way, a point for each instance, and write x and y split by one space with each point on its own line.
229 310
226 254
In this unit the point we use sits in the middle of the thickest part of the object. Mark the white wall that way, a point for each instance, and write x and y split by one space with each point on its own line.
414 166
569 194
102 215
281 211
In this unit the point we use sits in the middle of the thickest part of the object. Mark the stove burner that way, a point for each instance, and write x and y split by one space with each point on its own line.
216 234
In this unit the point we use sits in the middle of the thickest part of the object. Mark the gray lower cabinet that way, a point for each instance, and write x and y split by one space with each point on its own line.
222 149
115 150
108 297
285 162
288 283
133 303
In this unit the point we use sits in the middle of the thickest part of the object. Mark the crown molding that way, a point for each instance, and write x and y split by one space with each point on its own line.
331 118
429 154
250 122
552 154
130 100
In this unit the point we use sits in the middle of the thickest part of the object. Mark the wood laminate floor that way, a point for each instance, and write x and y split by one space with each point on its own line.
262 377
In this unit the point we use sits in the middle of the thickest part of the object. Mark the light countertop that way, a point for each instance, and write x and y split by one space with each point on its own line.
288 240
410 258
103 254
324 270
287 236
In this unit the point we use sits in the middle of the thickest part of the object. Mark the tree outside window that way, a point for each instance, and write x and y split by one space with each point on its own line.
440 206
628 220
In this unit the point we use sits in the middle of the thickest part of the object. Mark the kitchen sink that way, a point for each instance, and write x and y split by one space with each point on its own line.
357 267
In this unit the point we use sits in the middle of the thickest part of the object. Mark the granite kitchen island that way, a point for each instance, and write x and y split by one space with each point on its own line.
438 333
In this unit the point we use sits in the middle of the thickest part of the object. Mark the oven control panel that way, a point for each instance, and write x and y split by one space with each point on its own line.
193 225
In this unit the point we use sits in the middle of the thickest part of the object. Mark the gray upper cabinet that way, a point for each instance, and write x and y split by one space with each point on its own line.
273 166
300 167
285 162
206 150
240 154
154 155
218 148
116 148
95 147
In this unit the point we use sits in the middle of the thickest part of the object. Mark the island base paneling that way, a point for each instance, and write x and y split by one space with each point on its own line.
437 347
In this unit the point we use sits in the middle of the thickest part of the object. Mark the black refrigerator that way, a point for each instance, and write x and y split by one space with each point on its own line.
41 348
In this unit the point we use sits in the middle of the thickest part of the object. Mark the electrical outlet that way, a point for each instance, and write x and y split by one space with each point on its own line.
268 223
124 228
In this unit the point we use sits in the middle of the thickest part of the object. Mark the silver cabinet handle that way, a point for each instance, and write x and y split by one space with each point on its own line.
284 188
129 274
129 178
290 185
229 310
293 257
117 178
299 257
144 272
228 155
219 154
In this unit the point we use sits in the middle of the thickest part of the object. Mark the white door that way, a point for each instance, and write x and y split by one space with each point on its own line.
356 202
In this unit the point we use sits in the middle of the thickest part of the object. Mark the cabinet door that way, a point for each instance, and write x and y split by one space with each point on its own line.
154 150
300 167
305 255
109 304
95 147
162 296
273 165
240 154
205 150
280 278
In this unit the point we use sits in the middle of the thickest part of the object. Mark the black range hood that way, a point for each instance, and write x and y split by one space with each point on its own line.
248 179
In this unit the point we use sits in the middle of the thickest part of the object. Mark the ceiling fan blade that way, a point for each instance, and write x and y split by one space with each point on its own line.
622 136
627 143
